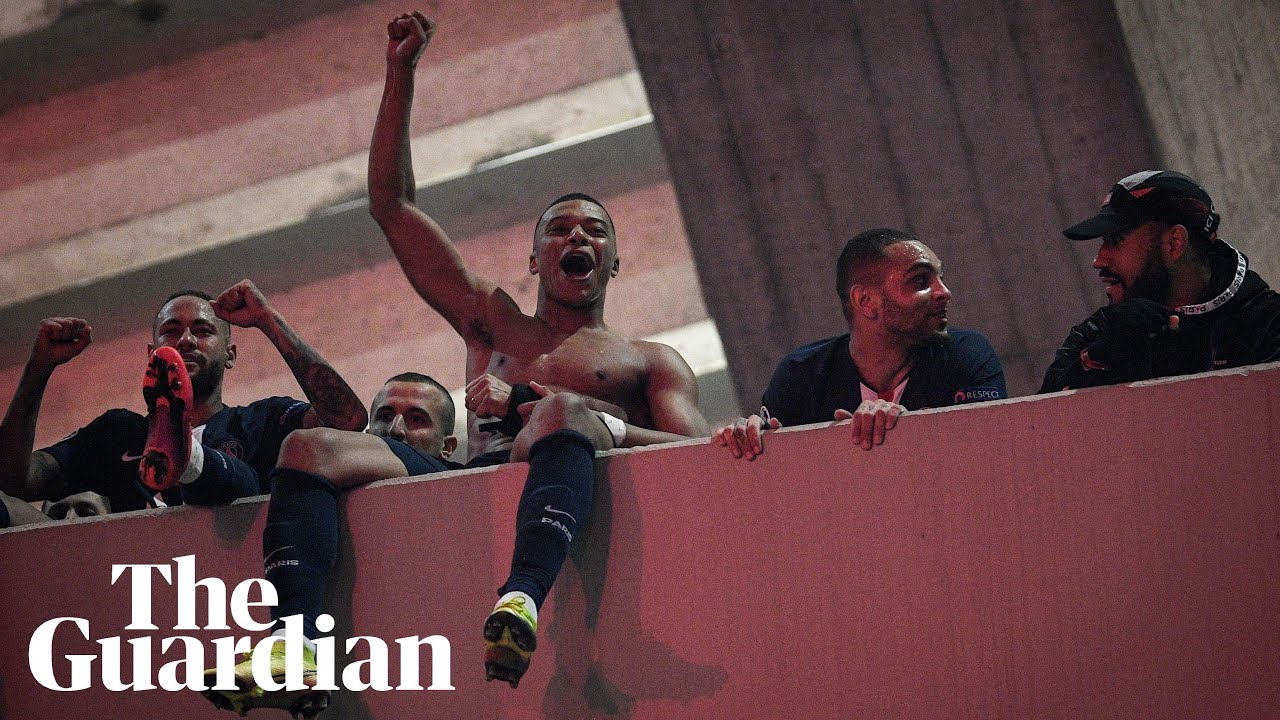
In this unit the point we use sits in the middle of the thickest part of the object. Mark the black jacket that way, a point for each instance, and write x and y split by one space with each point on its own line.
1243 330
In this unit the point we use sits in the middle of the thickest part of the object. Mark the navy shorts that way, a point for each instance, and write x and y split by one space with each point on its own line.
417 462
489 459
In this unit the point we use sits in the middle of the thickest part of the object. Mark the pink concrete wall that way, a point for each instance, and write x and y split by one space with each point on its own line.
1107 553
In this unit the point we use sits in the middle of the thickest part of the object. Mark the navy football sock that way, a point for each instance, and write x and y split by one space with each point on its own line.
300 544
222 479
555 501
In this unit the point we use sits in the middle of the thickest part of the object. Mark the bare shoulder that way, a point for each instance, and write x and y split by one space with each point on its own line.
661 358
671 390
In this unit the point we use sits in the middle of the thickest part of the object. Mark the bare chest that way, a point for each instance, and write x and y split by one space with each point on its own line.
598 365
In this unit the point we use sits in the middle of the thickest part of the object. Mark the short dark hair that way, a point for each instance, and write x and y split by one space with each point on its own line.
861 255
188 293
155 323
449 412
574 196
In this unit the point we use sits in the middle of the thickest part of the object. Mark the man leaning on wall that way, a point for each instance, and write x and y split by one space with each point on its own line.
1180 299
899 354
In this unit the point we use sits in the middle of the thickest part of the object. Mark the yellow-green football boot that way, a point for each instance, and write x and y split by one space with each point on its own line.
510 637
305 703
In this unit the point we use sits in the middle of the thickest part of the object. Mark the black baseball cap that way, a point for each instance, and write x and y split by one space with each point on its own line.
1151 195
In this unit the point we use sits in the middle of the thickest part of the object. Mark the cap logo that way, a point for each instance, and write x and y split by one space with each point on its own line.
1141 191
1137 179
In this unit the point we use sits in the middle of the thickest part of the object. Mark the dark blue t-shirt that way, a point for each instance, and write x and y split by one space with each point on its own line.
103 455
814 381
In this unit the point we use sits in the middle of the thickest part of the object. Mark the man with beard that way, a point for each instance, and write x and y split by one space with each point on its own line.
134 467
1181 300
898 355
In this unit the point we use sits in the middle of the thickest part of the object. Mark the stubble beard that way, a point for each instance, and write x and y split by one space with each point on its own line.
912 333
206 380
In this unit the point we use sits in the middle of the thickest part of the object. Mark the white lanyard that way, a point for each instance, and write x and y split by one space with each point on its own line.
1230 292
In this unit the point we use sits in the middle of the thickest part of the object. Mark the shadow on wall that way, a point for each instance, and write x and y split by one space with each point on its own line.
604 672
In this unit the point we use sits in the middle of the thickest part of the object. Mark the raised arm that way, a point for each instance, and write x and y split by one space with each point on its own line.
24 474
427 256
333 403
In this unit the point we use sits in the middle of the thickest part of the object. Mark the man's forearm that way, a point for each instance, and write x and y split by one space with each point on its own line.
18 433
1066 372
336 405
429 259
391 180
639 436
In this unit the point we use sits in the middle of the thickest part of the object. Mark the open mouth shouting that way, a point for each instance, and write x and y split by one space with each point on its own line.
578 264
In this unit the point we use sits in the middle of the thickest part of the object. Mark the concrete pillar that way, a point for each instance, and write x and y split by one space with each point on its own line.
1209 74
985 127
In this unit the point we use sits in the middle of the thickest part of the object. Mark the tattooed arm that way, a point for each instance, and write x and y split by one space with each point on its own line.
24 474
333 403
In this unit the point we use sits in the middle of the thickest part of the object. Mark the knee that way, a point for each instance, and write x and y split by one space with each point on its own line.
562 411
313 450
557 412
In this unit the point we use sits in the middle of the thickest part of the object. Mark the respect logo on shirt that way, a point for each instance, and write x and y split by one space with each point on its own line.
976 394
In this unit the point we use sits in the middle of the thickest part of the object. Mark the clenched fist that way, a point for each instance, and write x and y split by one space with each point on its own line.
242 305
407 37
59 340
488 396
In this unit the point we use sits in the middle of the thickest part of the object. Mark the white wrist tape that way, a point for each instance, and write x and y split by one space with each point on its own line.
195 465
617 428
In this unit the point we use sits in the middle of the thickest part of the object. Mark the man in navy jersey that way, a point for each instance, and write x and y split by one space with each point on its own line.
899 354
230 449
410 433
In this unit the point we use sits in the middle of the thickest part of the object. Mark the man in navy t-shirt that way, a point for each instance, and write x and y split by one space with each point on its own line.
898 355
233 447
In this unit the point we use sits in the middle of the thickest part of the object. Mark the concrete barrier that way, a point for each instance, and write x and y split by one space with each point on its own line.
1102 553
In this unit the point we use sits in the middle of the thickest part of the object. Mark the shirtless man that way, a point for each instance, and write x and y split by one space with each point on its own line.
587 375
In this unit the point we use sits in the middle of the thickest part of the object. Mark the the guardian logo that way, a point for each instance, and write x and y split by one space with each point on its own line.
69 673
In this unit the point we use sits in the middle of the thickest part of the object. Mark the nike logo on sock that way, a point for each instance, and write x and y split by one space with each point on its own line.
130 458
560 512
277 550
